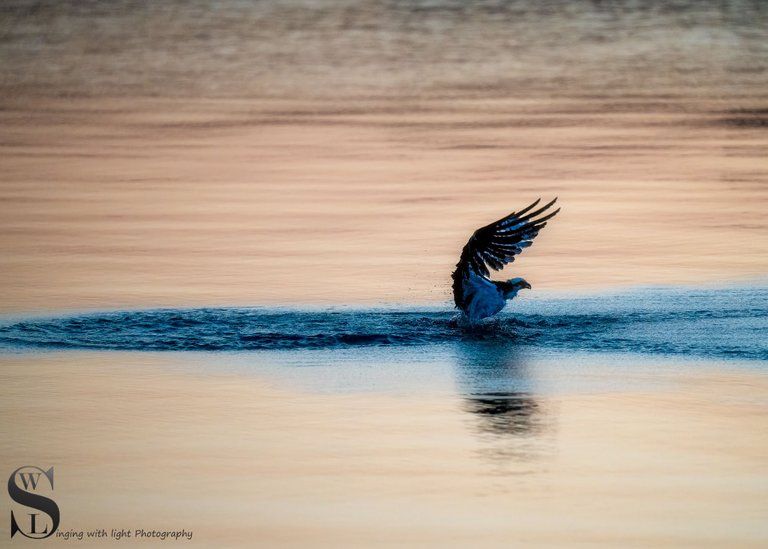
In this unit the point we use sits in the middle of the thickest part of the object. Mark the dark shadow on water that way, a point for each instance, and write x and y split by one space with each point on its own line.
498 393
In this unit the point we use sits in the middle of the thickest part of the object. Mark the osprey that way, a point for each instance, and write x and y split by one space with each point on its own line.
494 246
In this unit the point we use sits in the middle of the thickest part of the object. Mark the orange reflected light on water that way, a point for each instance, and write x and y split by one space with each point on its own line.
109 203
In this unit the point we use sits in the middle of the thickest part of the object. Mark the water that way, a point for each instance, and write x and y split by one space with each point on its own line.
172 163
722 323
204 154
384 48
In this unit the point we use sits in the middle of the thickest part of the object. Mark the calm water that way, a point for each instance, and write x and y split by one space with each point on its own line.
394 48
185 154
446 447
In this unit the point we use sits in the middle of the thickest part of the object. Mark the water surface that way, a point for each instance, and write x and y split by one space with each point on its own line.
711 323
384 48
251 187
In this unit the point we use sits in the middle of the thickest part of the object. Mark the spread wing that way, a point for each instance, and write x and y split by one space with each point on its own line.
497 244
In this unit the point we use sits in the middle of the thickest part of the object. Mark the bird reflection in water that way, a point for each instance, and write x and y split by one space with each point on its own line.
505 414
497 391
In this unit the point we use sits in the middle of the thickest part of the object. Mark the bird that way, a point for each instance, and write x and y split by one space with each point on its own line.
495 245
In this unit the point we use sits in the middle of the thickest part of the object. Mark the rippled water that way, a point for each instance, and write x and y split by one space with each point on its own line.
713 323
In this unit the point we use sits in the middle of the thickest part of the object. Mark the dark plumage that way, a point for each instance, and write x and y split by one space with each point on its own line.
494 246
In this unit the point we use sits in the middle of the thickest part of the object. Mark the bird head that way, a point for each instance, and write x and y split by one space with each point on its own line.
514 285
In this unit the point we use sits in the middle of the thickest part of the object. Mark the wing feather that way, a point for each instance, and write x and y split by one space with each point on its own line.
497 244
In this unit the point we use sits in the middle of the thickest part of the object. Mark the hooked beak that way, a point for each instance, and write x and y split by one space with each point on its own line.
526 285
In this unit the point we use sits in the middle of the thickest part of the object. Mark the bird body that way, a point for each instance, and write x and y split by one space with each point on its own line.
483 298
495 246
